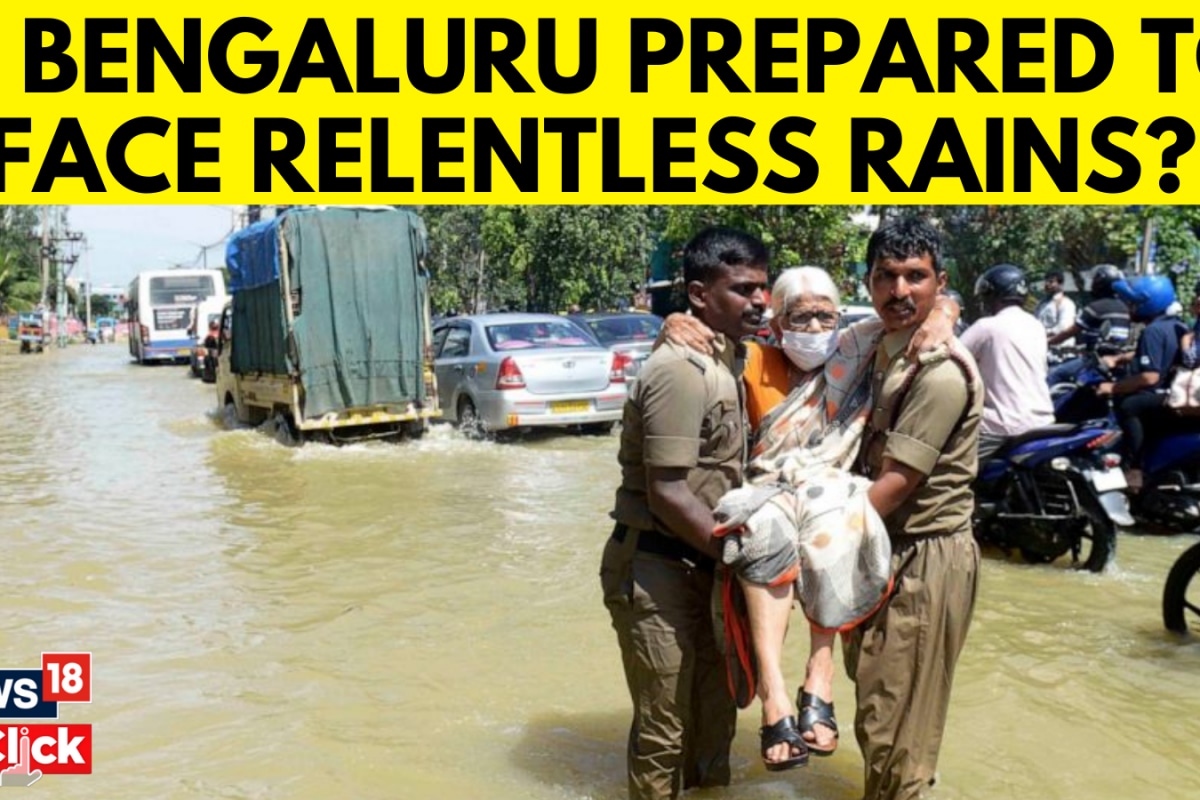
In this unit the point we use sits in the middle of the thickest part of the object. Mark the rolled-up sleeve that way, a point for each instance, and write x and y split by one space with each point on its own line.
673 415
932 409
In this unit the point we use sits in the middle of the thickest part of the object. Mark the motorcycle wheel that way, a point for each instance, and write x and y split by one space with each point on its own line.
1102 535
1176 607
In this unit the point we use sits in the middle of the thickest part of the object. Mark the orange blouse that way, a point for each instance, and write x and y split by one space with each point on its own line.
767 377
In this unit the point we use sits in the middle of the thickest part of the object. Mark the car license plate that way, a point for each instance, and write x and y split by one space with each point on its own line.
1109 480
183 351
570 406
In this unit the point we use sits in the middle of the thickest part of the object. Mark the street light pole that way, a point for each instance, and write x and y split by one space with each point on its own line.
1147 243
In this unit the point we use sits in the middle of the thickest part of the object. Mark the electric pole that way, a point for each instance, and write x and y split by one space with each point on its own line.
45 260
63 265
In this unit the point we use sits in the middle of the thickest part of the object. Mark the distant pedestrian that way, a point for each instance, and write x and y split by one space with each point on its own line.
1056 311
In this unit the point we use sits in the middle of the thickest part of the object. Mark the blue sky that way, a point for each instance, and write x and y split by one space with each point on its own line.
127 239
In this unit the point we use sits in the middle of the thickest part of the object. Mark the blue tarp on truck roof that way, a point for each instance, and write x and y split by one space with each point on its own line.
252 255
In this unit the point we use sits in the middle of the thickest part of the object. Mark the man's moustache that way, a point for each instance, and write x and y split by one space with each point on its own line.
902 305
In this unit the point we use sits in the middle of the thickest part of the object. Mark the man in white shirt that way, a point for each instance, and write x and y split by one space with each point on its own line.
1057 311
1009 346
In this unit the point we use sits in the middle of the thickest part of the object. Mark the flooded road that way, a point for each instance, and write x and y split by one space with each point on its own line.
424 620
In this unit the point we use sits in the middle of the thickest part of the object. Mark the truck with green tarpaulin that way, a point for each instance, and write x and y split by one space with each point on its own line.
327 332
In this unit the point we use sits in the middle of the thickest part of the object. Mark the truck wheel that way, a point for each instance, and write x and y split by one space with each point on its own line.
284 431
1176 607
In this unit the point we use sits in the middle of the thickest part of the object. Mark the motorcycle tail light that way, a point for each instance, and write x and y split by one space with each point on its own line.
1110 460
1103 440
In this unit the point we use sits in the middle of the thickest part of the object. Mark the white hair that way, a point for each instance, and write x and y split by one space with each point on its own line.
796 282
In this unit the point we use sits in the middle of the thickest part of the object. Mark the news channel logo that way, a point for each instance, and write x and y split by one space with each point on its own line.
29 750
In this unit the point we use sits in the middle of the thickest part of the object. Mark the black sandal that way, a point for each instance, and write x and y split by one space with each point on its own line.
783 732
815 711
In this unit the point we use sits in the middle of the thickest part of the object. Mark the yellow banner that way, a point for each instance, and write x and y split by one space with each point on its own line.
641 103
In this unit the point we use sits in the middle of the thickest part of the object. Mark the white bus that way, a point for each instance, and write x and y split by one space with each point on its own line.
161 305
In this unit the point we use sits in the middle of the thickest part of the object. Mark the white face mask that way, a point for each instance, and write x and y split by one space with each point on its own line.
809 350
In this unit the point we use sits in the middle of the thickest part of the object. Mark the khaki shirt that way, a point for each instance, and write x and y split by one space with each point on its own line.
932 434
685 411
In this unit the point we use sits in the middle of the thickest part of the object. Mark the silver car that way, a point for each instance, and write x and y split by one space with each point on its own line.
631 334
502 371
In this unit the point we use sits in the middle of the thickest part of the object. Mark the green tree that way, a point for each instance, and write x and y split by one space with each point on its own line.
457 259
823 236
20 270
1178 250
1035 237
102 306
538 258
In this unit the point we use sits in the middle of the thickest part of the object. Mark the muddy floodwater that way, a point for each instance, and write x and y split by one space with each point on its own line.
424 620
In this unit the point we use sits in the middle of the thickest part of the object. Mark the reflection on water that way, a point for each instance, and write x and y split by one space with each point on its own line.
424 620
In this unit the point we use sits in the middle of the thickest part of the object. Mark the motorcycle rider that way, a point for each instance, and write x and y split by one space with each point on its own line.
1190 345
1103 324
1140 397
1009 345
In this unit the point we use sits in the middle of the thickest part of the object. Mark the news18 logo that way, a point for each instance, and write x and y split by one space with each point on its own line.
28 750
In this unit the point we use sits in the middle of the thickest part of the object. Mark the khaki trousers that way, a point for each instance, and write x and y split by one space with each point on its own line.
902 662
683 714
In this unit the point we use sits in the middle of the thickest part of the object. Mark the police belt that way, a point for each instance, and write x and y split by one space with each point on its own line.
660 544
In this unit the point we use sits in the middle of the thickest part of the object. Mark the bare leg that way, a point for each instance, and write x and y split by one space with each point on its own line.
769 609
818 681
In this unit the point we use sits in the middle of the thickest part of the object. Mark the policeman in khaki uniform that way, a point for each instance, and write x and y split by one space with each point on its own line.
920 451
683 445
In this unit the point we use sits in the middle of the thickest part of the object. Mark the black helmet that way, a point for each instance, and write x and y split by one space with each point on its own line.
1103 278
1002 282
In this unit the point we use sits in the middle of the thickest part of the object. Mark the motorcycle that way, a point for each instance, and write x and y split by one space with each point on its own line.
1169 501
1176 607
1053 491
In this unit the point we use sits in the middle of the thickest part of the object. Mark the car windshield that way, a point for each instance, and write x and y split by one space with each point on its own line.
525 335
615 330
